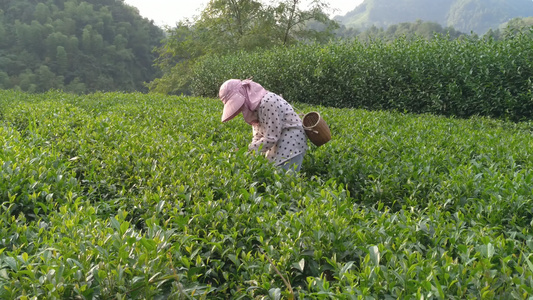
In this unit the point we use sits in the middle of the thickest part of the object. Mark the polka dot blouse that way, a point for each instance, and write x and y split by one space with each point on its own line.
279 134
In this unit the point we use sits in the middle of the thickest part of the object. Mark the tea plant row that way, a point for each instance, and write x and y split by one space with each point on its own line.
462 77
132 196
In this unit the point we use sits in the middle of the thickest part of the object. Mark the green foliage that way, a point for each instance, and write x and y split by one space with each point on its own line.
410 31
462 77
78 46
480 16
132 196
230 26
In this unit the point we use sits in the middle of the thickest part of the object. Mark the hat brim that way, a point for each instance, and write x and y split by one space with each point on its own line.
232 107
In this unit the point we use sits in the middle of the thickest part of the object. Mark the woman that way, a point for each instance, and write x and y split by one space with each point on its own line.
277 129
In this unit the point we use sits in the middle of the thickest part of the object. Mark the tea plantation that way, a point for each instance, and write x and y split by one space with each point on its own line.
132 196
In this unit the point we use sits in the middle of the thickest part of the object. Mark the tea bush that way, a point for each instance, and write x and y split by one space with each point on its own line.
462 77
133 196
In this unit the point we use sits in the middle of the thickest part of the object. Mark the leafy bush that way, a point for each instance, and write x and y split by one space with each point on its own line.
462 78
151 199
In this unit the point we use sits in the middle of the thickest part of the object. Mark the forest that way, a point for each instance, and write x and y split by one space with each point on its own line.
75 46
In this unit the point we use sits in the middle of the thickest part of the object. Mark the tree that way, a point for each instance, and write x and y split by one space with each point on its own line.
76 86
67 26
225 24
293 21
42 13
4 80
46 79
61 60
53 41
120 42
91 41
27 81
517 24
3 35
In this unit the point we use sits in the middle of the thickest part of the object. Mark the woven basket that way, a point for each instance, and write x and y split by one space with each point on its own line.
316 128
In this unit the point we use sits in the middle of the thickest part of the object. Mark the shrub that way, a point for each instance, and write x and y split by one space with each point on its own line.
462 77
133 196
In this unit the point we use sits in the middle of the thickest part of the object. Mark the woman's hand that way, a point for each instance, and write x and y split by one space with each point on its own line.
255 128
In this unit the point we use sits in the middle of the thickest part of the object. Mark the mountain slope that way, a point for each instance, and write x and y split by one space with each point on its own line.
481 15
464 15
75 45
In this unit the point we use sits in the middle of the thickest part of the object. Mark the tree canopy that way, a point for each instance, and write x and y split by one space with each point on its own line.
75 45
227 26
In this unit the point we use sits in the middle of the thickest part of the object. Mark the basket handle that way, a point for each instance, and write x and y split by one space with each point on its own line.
314 131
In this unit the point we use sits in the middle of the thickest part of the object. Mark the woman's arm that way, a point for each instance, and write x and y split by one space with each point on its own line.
268 132
257 135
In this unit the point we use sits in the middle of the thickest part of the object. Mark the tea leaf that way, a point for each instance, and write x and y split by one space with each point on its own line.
374 254
275 293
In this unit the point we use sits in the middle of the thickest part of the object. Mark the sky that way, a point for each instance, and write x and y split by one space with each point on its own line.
169 12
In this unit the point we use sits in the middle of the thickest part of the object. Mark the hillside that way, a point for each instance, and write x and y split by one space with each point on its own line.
76 46
464 15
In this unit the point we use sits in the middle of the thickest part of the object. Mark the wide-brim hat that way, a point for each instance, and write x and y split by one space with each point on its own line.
232 106
240 96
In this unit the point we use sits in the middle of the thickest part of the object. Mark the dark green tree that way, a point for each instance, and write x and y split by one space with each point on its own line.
45 79
4 80
42 13
79 45
61 60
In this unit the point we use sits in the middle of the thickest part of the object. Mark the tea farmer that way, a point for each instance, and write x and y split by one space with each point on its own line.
277 130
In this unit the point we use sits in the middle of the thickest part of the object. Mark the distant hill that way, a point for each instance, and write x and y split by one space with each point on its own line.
464 15
78 46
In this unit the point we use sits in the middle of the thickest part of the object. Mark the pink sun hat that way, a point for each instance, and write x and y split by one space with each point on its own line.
238 95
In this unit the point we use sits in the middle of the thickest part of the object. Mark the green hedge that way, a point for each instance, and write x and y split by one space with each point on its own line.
447 77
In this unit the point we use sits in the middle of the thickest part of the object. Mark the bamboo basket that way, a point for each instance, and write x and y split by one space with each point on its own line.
316 128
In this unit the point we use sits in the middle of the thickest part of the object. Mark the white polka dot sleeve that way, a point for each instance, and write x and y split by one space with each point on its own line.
268 133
